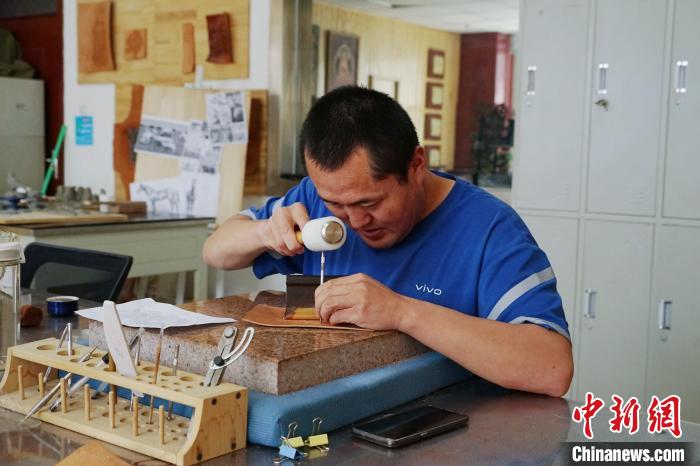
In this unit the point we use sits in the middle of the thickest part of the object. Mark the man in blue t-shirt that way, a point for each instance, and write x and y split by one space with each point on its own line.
426 254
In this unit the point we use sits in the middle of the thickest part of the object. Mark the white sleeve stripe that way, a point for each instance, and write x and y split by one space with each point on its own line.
277 204
520 289
537 320
248 213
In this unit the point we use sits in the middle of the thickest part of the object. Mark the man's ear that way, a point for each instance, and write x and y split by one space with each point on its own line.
419 163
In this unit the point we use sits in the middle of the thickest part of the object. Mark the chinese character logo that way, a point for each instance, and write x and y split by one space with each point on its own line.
665 415
587 412
661 414
626 416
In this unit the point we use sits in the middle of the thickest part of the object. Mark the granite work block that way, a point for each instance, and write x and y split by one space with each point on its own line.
279 360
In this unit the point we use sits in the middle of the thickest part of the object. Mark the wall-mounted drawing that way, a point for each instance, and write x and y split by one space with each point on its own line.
167 194
191 197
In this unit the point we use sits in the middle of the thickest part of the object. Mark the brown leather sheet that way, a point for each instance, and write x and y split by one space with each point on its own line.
135 44
271 316
95 37
124 158
188 57
220 43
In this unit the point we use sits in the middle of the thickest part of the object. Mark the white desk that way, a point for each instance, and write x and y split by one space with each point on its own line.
158 244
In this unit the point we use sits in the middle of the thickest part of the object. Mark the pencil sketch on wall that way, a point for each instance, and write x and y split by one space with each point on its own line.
156 195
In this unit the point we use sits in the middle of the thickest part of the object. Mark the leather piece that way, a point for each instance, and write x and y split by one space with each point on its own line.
271 316
124 158
95 37
188 57
220 43
135 44
31 316
92 452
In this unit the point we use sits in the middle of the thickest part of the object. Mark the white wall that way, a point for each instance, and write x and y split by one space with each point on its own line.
92 166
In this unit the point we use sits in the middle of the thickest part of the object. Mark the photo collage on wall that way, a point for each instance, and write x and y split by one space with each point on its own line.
198 145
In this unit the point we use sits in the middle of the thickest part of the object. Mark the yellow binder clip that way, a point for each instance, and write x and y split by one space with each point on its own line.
316 439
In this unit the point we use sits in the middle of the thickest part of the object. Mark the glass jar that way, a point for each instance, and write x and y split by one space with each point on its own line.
10 259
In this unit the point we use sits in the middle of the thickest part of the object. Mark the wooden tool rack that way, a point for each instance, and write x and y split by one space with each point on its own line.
219 414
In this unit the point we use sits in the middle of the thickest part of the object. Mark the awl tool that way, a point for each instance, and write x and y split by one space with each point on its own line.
321 235
318 235
40 404
103 362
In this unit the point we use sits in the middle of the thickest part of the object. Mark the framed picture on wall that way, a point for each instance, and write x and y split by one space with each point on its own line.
433 126
432 153
436 63
433 95
389 87
341 60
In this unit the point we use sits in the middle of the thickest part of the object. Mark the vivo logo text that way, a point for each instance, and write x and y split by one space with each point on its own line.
426 289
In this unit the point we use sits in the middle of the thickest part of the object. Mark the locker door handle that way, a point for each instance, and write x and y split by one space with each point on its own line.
603 78
530 90
681 69
589 303
665 314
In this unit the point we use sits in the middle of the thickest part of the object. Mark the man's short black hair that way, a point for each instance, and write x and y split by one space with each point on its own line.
352 117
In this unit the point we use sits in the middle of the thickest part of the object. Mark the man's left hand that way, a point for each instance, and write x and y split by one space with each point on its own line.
359 299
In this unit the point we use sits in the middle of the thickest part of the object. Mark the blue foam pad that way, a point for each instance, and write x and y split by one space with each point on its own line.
349 399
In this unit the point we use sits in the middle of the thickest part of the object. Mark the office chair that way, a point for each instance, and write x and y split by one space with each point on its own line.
87 274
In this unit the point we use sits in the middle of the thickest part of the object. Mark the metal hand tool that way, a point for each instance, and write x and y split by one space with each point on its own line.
170 403
213 376
222 361
60 343
103 362
40 404
155 373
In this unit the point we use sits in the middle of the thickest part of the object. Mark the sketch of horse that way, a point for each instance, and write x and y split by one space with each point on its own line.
191 196
166 194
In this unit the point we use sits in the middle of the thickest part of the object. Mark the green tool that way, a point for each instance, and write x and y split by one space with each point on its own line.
54 159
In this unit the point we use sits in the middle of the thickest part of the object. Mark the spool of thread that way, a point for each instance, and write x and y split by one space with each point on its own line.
58 306
324 234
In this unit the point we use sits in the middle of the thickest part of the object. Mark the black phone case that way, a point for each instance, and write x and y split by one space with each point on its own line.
369 430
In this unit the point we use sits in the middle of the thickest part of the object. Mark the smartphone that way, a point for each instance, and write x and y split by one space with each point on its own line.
399 429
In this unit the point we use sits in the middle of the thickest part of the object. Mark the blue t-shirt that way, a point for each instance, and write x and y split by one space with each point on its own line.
473 254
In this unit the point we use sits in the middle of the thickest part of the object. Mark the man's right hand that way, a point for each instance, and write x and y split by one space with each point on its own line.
277 233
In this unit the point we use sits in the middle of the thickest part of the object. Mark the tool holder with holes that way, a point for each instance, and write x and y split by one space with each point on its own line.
219 413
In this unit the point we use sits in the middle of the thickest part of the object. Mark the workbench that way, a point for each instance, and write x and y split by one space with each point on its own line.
159 244
505 426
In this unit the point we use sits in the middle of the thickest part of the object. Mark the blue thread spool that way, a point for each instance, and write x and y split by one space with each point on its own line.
60 306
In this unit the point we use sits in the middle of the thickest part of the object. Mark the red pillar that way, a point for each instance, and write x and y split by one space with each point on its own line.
485 76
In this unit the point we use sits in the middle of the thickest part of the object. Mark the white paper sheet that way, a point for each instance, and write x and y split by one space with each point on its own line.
189 194
148 313
226 118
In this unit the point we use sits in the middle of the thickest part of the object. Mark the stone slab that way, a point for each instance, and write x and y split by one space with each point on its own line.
279 360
